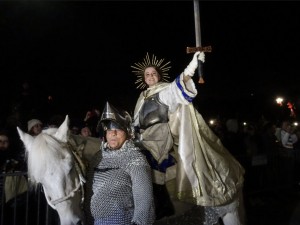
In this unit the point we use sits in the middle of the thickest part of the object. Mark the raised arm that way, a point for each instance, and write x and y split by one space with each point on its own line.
193 65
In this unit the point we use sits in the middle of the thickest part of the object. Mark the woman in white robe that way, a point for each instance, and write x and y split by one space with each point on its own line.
205 173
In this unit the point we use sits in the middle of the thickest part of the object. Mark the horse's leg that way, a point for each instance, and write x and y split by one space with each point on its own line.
231 219
185 213
180 206
238 216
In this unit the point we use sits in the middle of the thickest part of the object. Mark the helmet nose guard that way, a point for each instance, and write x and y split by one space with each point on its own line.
112 118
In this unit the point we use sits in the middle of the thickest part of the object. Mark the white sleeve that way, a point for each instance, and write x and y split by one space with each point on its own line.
178 92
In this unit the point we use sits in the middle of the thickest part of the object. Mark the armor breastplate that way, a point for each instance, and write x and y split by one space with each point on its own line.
152 112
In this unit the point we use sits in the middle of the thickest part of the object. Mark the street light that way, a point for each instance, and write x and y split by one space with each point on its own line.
279 101
212 122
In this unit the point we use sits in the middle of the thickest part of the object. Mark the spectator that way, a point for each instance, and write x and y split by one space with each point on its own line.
10 160
271 146
55 121
35 127
288 139
86 132
91 120
14 187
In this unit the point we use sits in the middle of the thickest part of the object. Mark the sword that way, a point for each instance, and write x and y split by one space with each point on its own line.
198 37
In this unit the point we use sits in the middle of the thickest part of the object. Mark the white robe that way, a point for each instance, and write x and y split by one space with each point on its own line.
206 174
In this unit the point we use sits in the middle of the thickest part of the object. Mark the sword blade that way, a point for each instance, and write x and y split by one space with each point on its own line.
198 36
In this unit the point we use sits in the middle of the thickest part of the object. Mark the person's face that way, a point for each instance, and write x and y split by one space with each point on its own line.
4 142
86 132
115 138
37 129
151 76
75 130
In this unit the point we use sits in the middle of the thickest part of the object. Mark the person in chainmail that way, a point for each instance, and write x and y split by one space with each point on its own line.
119 184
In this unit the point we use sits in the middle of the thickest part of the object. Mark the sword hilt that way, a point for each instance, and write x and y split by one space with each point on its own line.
195 49
201 49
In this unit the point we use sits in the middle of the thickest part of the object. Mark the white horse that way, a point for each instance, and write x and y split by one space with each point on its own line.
54 160
57 161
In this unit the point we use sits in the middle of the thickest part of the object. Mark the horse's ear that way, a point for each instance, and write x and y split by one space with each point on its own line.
27 139
62 132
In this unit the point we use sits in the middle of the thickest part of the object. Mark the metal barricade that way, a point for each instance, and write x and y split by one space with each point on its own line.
22 204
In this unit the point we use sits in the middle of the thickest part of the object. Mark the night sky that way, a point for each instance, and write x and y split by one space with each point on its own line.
80 52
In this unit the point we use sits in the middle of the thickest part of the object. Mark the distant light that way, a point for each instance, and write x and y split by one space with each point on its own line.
295 124
245 123
212 122
279 101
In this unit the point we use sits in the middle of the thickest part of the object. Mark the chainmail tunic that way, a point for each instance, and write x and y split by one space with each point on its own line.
119 188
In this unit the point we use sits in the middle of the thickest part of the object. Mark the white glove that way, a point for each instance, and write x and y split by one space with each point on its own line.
201 57
190 69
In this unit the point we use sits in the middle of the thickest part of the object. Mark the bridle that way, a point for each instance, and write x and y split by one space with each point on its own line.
80 169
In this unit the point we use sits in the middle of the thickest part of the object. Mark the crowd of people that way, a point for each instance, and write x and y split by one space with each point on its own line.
24 114
268 150
167 151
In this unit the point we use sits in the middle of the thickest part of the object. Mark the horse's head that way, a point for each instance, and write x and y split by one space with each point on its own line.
51 162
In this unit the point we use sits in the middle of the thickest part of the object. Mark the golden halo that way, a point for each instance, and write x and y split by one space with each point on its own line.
140 67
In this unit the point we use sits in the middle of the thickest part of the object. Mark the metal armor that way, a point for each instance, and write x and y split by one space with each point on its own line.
153 112
119 189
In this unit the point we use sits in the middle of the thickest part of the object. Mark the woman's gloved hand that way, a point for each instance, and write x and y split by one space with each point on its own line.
190 69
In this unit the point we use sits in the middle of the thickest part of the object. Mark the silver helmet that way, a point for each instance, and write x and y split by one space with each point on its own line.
112 118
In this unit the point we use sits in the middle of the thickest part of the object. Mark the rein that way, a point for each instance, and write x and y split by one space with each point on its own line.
81 172
62 199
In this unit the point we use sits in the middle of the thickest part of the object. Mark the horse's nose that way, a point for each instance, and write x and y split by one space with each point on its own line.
79 223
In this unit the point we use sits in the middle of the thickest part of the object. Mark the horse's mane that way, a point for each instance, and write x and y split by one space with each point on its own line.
45 155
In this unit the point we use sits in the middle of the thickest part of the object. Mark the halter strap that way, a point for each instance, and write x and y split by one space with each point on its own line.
62 199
